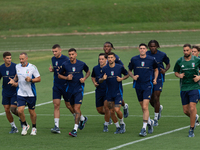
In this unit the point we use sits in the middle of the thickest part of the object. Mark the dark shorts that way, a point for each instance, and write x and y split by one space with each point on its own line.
144 94
75 98
189 96
59 91
118 99
9 100
100 98
23 101
158 86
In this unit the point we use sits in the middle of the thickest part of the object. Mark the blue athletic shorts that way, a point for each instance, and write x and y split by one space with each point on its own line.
189 96
118 99
75 98
100 98
158 86
23 101
6 100
59 91
143 94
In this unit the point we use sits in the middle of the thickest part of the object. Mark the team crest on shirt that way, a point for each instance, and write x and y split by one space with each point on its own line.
142 64
7 72
112 73
56 63
193 64
73 69
27 71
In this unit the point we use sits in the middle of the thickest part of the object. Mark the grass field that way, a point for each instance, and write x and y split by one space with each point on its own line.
165 136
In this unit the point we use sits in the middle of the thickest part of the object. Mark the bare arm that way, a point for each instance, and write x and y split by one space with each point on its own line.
179 75
132 76
155 76
82 80
51 69
35 80
103 78
119 79
165 70
94 82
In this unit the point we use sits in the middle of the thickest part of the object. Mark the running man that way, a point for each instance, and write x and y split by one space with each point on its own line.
114 94
108 46
187 69
73 70
157 89
59 86
27 75
195 50
100 92
145 68
9 92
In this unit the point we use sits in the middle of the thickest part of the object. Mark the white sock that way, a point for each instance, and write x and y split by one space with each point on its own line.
82 118
56 120
149 121
13 124
156 116
144 125
76 127
106 123
117 124
121 121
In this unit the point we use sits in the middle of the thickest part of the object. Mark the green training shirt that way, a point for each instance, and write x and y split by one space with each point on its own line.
190 68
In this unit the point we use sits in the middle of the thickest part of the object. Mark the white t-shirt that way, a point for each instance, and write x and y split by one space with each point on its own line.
26 89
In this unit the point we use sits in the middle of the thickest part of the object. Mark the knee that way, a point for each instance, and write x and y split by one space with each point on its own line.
20 111
185 111
13 110
117 110
7 110
145 108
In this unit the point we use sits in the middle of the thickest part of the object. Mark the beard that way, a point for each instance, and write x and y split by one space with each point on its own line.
187 55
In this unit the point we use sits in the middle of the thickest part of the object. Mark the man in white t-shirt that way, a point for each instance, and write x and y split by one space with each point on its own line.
27 75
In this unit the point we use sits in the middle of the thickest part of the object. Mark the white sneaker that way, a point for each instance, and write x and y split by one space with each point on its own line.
196 121
25 129
160 110
34 131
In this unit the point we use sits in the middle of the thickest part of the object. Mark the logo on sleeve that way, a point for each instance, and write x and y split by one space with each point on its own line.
193 64
142 64
112 73
73 69
7 72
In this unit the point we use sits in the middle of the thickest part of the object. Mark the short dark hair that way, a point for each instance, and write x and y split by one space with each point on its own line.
56 46
103 54
24 53
6 54
110 44
154 41
143 44
111 53
72 49
197 47
187 45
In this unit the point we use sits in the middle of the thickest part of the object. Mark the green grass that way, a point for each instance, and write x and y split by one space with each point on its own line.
63 16
92 136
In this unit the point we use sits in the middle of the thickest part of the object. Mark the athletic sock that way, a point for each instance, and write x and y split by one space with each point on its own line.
156 116
24 123
33 125
149 121
106 123
192 128
82 118
76 127
144 125
121 121
56 120
117 124
13 124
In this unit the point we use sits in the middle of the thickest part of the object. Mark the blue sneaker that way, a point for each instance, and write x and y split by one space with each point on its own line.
105 128
55 130
150 127
155 123
143 132
73 133
160 110
82 124
191 133
13 130
21 123
118 130
122 126
126 112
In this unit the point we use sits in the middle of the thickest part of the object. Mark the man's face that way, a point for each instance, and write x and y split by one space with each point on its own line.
7 60
107 48
187 51
195 52
72 55
142 50
111 59
56 52
102 60
23 59
153 48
